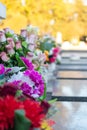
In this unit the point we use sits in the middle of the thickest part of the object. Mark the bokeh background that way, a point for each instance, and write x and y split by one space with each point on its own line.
66 16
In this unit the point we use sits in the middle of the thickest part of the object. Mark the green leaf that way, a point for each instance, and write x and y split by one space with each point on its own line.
46 46
8 34
24 44
44 95
52 101
18 93
20 62
21 122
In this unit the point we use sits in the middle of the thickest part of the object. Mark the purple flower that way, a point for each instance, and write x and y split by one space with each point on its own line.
28 63
26 88
37 79
7 70
2 69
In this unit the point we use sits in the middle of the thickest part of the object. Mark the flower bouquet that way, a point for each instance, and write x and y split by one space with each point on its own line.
22 86
51 51
22 95
13 45
19 112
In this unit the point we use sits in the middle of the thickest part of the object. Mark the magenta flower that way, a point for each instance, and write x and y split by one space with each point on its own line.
56 51
38 88
28 63
30 82
2 69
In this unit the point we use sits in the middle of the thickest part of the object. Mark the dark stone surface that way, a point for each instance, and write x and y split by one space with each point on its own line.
72 67
68 61
70 89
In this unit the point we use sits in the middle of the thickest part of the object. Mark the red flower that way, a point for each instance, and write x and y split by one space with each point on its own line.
8 89
34 112
52 59
8 105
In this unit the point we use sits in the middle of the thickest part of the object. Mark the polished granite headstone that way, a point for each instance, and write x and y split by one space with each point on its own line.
71 116
76 53
68 61
71 90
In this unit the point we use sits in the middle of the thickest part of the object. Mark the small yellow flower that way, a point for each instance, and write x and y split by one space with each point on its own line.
45 126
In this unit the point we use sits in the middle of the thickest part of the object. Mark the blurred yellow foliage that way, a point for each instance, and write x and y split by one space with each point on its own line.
51 16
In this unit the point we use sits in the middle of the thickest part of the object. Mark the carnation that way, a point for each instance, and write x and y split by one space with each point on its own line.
30 82
34 112
8 105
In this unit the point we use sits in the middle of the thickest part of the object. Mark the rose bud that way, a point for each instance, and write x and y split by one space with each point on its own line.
10 49
4 56
23 33
11 41
32 39
18 45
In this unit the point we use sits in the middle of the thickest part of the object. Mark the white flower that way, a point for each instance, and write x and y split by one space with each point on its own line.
22 77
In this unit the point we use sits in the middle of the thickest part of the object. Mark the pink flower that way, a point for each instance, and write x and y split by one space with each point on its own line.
2 69
18 45
31 39
23 33
10 49
42 57
56 51
52 59
11 42
4 56
2 36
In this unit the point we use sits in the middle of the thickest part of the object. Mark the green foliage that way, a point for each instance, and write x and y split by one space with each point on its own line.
21 122
44 95
20 62
47 43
